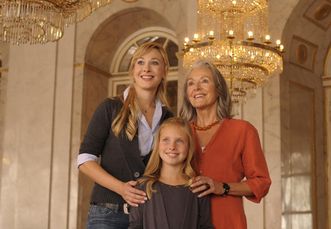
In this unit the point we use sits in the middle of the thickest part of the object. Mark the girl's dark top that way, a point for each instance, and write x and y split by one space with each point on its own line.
119 156
172 207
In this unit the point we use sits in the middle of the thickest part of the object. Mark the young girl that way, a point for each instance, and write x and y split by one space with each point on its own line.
171 204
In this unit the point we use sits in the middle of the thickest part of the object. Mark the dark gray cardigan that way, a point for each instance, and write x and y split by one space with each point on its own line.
152 214
119 156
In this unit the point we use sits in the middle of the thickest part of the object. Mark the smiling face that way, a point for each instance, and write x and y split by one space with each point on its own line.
201 90
148 70
173 145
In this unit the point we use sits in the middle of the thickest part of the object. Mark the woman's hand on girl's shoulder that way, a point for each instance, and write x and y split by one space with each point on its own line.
205 186
132 195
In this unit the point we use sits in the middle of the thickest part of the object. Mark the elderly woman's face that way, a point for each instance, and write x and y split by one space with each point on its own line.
201 90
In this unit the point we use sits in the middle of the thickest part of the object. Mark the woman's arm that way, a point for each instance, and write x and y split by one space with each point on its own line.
130 194
205 185
255 166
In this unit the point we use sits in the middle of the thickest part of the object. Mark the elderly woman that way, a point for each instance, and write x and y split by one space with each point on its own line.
229 154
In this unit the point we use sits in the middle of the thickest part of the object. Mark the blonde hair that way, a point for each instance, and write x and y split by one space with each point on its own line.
224 104
153 168
128 116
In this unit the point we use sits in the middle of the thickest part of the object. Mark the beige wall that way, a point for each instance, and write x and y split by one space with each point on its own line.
44 108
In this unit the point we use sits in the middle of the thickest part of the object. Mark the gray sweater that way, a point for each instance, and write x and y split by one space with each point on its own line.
172 207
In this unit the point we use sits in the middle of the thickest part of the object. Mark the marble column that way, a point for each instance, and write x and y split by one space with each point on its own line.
327 134
272 150
36 143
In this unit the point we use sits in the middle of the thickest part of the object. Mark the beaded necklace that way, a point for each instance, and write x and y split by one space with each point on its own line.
204 128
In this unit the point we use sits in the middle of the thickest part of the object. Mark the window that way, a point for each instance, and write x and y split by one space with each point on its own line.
298 170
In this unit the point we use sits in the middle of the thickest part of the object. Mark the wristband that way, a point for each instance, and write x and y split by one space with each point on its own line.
226 189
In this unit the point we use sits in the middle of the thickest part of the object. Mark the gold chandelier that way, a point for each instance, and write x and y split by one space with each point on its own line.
41 21
232 34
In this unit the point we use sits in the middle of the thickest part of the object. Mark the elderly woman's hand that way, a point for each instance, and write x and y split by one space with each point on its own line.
205 185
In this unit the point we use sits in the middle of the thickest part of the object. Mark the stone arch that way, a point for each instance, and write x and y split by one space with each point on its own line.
110 34
307 38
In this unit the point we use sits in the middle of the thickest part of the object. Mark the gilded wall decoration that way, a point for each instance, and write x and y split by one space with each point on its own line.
319 13
303 53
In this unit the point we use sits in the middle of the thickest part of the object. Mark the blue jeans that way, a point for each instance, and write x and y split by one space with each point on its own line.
105 218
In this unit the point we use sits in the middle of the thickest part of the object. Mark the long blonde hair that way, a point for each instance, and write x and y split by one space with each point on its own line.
128 116
153 168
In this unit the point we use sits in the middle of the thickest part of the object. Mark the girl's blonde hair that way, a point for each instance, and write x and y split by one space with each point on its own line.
128 116
153 168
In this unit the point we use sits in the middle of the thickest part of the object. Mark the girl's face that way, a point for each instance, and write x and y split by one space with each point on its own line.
201 89
173 145
149 70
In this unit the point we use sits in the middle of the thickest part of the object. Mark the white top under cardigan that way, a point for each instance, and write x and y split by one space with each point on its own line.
145 133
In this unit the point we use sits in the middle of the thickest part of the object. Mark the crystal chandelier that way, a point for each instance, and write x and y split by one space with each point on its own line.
232 34
41 21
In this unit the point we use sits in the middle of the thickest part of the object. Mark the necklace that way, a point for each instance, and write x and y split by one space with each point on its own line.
204 128
145 111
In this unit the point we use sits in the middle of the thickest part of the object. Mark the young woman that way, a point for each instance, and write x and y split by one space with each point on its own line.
229 152
171 204
120 133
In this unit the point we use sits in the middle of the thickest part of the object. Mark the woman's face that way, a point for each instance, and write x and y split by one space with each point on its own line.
149 70
201 90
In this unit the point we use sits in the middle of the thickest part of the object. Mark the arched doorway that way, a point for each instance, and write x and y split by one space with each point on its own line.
303 173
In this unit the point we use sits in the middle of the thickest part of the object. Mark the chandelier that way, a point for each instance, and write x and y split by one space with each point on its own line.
41 21
232 34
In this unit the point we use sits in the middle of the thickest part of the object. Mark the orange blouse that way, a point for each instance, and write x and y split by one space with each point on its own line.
232 154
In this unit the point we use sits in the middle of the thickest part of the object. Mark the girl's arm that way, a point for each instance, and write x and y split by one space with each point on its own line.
136 218
205 213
